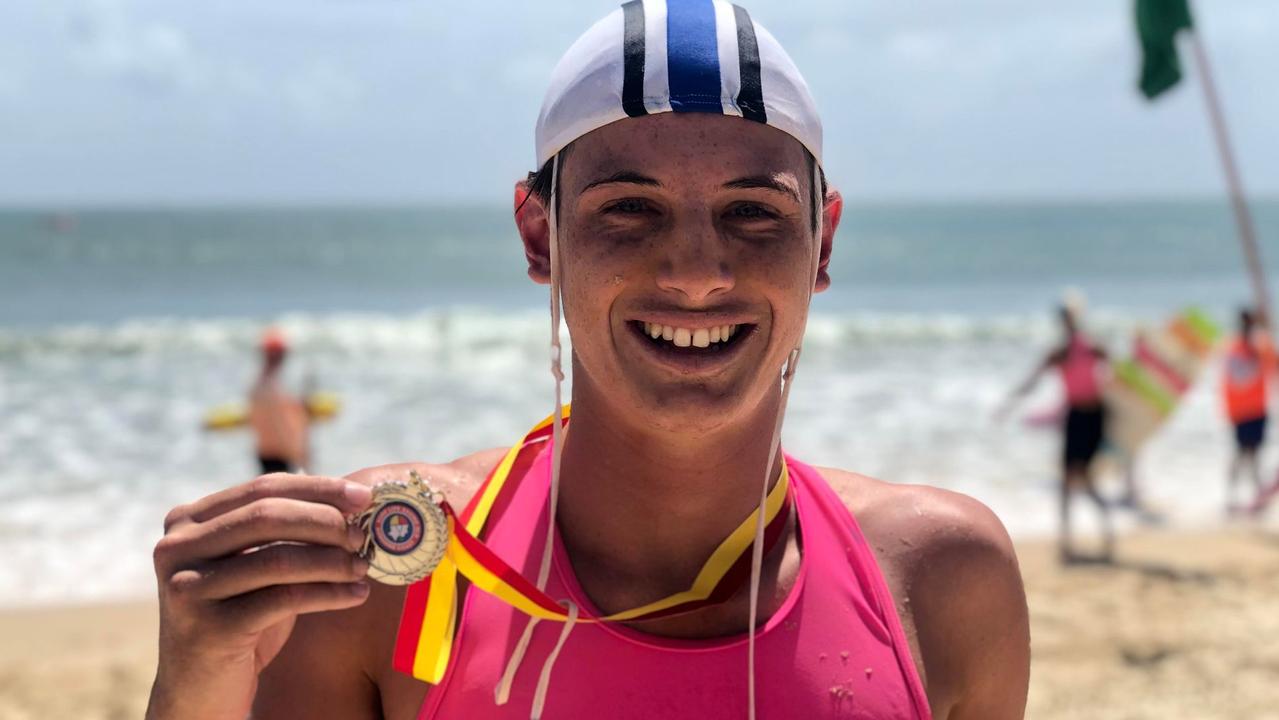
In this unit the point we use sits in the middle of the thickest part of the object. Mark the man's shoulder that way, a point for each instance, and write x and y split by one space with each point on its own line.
954 575
924 522
458 479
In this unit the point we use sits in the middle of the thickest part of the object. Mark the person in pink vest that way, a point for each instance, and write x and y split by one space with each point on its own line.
1081 365
681 216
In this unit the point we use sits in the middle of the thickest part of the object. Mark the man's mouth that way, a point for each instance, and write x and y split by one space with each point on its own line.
694 340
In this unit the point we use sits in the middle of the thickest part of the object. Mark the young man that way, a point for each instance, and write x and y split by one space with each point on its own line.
680 212
1080 363
1249 363
278 418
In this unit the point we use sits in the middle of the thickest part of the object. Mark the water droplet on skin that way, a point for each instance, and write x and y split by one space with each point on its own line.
840 693
869 672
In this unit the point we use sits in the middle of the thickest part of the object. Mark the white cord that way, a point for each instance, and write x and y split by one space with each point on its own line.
788 376
544 680
503 691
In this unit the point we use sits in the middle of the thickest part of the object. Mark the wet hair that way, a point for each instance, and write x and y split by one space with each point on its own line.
1246 319
539 184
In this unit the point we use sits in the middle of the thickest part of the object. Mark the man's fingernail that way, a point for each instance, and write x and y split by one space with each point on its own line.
359 589
359 565
355 537
357 494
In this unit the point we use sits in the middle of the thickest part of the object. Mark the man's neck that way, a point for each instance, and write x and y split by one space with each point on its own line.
642 505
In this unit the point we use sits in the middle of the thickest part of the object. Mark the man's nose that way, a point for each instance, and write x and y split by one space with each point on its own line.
696 265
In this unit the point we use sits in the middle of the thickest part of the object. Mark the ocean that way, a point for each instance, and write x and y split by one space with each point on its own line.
120 328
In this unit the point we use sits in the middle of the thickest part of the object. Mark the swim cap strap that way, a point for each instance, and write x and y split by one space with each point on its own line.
788 379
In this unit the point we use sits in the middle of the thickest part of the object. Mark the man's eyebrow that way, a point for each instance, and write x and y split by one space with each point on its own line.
629 177
765 182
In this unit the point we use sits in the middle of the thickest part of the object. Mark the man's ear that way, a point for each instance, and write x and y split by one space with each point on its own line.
832 211
535 231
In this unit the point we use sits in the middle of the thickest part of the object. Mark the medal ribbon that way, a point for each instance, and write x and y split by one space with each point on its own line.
424 642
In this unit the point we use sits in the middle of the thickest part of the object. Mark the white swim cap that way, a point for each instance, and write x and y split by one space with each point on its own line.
655 56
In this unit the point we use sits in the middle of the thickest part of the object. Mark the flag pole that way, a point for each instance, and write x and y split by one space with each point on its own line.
1243 217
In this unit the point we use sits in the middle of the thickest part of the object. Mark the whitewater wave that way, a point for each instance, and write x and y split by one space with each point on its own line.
100 425
482 329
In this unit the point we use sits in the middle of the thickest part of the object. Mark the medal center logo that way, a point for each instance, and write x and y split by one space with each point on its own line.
398 528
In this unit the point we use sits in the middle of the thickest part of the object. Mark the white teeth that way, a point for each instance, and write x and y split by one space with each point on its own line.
690 337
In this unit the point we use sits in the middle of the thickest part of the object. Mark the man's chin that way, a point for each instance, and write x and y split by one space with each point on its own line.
690 408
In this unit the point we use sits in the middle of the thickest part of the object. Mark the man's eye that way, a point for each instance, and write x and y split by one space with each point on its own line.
751 211
627 206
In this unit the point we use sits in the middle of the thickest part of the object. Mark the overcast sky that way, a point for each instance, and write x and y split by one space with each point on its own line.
287 101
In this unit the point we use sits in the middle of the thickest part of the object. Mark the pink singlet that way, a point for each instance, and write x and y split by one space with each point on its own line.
835 649
1079 372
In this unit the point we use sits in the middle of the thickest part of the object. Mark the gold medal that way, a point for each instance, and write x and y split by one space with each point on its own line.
405 531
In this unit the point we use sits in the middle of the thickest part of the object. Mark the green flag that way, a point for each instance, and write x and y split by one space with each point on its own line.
1158 22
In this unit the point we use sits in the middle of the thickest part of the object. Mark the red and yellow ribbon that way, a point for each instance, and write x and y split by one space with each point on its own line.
424 642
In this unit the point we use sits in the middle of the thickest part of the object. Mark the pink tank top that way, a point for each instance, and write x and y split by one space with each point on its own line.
835 649
1079 372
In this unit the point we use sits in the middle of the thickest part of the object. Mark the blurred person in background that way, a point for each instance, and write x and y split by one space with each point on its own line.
1081 364
1249 363
279 419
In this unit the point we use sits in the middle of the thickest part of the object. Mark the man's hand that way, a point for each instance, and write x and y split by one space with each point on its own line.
235 569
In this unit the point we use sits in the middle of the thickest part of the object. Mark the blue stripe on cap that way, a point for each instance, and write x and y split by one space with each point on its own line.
692 56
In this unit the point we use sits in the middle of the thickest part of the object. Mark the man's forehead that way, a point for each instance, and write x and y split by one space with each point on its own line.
701 144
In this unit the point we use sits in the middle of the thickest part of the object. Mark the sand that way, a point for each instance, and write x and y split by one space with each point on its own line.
1183 626
92 662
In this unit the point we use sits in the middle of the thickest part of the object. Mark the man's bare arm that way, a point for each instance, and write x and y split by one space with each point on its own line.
970 613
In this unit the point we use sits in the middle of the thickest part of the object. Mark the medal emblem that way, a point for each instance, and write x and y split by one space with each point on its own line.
405 531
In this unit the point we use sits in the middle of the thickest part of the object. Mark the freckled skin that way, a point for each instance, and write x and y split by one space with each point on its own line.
685 446
685 246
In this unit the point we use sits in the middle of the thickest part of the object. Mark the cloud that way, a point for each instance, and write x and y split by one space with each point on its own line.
149 55
323 90
155 57
12 84
920 99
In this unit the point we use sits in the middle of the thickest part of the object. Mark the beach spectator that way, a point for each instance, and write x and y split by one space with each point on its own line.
1249 363
1081 364
278 418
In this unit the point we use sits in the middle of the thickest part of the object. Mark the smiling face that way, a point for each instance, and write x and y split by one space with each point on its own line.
687 250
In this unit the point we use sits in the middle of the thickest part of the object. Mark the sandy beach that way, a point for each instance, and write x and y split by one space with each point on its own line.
1183 627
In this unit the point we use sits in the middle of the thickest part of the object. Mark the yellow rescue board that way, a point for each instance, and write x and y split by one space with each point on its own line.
228 416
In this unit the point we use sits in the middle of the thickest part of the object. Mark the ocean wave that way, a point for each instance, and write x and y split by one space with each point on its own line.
478 329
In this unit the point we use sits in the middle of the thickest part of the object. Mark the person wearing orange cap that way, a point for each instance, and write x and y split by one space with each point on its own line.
1249 363
278 418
